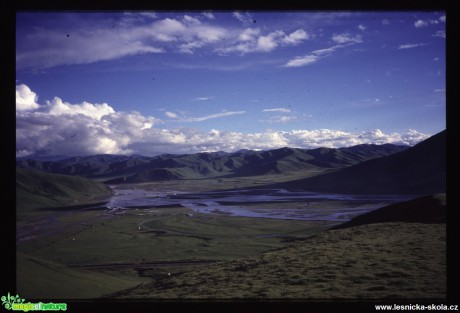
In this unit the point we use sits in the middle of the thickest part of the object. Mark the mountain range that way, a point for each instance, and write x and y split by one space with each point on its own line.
361 169
136 168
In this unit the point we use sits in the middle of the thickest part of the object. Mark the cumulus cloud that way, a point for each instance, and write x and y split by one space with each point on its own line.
420 23
361 27
59 127
296 37
208 15
26 99
251 40
191 20
62 128
425 23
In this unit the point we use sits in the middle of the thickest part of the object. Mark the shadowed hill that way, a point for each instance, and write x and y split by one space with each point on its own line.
418 170
429 209
35 189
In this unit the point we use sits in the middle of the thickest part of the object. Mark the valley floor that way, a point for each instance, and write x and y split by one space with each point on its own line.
176 253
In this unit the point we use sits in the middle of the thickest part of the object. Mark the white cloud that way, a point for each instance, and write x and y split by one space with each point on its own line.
250 40
91 41
59 127
246 18
151 15
48 48
211 116
296 37
171 114
281 119
425 23
410 46
26 99
249 34
284 110
269 42
443 18
385 22
346 38
420 23
361 27
440 90
95 40
191 20
314 56
202 98
302 61
208 15
83 129
440 34
94 111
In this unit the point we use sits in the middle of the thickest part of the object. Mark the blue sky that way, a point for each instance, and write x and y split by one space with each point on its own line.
184 82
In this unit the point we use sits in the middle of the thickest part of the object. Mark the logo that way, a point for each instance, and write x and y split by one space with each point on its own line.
16 303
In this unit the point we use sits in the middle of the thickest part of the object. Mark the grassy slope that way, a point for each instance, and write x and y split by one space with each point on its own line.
386 260
43 279
36 189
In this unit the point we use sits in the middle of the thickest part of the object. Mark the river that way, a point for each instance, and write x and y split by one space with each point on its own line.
253 203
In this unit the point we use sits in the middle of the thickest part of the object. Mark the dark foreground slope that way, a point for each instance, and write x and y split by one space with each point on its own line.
374 261
35 189
419 170
428 209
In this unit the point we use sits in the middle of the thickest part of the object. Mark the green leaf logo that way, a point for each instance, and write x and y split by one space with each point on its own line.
7 301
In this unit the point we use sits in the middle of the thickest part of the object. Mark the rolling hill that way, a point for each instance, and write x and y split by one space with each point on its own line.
419 170
35 189
132 169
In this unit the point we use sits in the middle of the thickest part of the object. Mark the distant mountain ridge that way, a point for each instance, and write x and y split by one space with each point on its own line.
133 169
